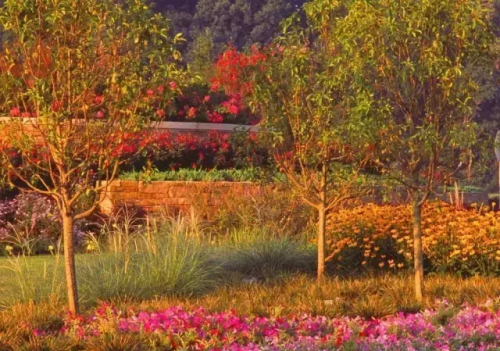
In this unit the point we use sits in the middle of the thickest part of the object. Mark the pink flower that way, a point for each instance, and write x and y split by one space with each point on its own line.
172 85
100 114
160 89
234 109
206 98
215 86
56 106
215 118
160 113
150 92
15 112
98 99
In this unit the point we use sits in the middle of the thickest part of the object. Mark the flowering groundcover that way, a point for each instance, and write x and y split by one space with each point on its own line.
444 327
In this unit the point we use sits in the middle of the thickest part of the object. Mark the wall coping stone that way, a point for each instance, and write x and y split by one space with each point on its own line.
121 182
175 126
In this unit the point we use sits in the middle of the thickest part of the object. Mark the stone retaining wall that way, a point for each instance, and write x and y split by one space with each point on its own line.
174 196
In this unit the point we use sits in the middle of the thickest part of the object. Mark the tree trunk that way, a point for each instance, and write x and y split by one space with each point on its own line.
69 262
321 243
322 226
417 249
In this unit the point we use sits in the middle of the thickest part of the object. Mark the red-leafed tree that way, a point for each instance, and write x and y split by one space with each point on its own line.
78 79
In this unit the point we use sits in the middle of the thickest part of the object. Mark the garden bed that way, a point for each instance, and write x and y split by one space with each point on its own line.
442 327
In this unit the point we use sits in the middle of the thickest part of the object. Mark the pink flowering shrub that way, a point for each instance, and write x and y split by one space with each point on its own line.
166 151
442 328
204 103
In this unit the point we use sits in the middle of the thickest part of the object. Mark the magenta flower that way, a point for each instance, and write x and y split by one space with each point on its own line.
15 112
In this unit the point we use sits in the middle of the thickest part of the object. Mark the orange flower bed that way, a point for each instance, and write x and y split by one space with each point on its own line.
462 241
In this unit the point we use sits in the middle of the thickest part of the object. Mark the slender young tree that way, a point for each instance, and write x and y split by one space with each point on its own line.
421 53
316 117
78 79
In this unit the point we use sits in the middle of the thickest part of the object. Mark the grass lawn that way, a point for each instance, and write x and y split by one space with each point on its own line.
37 278
41 279
37 265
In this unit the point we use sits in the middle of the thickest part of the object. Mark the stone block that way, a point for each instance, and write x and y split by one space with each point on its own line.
180 191
125 196
221 190
148 188
158 196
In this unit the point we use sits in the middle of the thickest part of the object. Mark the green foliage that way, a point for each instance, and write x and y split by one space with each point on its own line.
177 266
31 279
416 59
202 55
313 116
413 55
215 175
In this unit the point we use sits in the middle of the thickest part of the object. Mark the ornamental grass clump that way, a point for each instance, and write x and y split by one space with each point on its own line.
263 256
164 262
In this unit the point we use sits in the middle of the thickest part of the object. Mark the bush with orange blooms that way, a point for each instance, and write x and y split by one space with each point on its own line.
380 237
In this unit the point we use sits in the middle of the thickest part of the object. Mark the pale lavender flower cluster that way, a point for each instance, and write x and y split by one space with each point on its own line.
30 214
7 209
31 217
443 328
